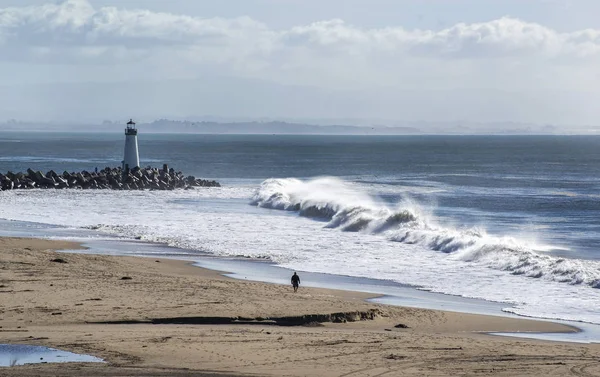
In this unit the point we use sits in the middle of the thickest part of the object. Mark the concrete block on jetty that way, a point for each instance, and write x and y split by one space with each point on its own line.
109 178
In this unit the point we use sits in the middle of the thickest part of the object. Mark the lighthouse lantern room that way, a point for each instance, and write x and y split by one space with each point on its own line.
132 157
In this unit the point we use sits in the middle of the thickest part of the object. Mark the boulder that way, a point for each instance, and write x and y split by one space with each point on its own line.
108 178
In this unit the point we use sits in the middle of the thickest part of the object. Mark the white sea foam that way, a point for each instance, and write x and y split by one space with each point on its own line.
349 209
344 230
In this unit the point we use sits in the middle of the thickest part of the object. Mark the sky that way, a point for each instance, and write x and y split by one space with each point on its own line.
374 61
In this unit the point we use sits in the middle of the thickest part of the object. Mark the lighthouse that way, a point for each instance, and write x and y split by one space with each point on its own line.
132 157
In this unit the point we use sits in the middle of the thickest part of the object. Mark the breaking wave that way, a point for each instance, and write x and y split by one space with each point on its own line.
348 208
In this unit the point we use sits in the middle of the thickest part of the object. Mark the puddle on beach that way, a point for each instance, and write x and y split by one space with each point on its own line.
16 354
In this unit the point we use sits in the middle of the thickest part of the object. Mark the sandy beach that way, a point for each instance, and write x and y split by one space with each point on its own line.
157 317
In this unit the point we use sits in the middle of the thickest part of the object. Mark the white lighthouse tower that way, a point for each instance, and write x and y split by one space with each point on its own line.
132 157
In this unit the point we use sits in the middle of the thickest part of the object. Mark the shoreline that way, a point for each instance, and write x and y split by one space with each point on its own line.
90 290
202 261
383 291
379 297
418 298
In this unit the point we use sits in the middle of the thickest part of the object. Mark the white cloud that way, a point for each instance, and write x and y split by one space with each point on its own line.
76 24
505 54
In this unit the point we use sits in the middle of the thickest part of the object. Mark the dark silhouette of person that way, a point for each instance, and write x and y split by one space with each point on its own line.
295 281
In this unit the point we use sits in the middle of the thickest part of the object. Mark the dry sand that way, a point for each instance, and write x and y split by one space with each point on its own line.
67 305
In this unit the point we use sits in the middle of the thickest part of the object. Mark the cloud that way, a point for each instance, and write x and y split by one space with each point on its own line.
508 55
77 25
74 30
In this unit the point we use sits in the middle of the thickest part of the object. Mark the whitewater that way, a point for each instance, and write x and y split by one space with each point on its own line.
329 225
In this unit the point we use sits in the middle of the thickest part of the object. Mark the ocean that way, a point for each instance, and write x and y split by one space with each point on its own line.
509 219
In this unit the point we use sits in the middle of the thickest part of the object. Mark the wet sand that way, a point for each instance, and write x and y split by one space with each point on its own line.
155 317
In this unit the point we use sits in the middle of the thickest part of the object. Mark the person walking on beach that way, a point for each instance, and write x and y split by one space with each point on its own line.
295 281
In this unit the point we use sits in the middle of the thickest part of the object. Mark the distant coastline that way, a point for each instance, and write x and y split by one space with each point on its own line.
276 127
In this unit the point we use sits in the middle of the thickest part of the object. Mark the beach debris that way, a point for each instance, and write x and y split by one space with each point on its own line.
447 349
58 260
401 326
320 343
163 339
108 178
393 356
301 320
126 278
57 313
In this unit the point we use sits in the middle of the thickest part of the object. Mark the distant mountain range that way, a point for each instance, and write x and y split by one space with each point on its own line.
272 127
209 127
291 128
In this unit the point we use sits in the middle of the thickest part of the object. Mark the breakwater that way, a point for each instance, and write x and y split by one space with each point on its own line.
107 178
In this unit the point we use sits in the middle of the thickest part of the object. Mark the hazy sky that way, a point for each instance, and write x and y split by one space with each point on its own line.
479 60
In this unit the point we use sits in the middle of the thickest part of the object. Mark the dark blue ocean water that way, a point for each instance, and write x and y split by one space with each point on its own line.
547 185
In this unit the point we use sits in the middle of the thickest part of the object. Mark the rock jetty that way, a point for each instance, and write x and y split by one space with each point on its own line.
109 178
